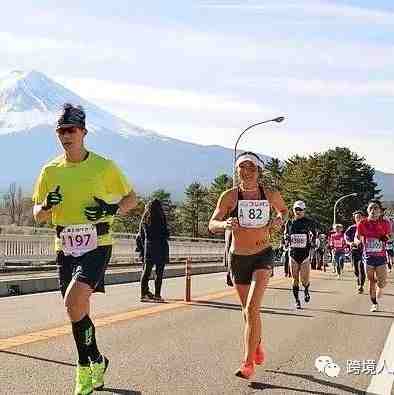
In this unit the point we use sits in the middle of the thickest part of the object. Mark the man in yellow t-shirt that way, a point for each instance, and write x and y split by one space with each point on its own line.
80 192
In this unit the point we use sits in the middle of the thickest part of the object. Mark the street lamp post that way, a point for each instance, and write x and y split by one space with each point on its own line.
339 200
277 119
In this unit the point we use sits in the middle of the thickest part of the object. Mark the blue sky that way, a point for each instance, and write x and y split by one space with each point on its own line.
204 70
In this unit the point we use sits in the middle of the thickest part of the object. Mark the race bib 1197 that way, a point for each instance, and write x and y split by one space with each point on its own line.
253 213
78 239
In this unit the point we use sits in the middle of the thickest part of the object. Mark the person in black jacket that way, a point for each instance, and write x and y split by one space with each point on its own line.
154 239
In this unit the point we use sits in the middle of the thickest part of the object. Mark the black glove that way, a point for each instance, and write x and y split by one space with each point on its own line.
94 213
52 199
383 238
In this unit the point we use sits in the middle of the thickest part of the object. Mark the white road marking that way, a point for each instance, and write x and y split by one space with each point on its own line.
382 383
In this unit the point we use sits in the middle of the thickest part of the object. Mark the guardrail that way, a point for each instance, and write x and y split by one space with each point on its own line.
41 247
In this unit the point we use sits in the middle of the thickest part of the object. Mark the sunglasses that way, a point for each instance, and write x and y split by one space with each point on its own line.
63 131
298 209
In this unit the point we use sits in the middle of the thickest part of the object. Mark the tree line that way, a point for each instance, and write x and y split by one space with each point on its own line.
319 180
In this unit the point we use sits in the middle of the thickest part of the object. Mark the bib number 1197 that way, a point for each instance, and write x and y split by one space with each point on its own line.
78 239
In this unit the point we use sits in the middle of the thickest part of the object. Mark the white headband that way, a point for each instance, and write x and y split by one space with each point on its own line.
248 157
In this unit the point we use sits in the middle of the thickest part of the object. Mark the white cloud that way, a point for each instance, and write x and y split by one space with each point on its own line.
324 88
22 44
158 97
282 142
315 8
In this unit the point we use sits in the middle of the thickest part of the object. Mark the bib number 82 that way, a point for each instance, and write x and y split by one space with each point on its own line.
255 213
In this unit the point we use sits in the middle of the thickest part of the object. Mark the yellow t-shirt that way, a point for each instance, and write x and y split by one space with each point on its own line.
79 183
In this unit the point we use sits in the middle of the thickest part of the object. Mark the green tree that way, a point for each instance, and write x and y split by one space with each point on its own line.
194 213
274 169
220 184
321 179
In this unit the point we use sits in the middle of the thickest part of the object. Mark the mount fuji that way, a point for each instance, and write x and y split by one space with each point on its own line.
29 106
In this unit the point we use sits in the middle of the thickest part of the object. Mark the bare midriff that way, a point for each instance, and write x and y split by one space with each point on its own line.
246 241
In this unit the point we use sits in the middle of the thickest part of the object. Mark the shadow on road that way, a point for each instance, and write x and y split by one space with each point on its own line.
309 377
120 391
357 314
37 358
263 387
237 307
311 290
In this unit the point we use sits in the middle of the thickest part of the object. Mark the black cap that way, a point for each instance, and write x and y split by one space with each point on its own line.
71 116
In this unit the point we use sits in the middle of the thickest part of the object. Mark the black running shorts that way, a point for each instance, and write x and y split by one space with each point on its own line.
299 254
243 266
88 268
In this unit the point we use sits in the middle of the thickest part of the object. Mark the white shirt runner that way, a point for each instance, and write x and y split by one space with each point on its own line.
253 213
298 240
78 239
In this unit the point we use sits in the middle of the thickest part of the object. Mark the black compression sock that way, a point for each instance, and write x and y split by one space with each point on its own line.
94 353
296 289
306 288
374 301
82 331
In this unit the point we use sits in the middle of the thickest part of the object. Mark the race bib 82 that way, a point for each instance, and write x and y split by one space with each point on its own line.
253 213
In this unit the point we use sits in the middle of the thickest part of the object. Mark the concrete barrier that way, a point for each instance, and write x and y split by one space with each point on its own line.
44 282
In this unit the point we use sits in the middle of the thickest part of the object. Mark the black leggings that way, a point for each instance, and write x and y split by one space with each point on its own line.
359 268
159 271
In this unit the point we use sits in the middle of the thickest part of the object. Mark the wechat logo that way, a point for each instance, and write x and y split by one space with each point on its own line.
326 365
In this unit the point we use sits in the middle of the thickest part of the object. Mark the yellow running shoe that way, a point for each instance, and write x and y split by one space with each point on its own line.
83 384
98 370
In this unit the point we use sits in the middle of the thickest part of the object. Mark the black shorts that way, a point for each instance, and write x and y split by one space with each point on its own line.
374 260
242 267
88 268
299 254
390 253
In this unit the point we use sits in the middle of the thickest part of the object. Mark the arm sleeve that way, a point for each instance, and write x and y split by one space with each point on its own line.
115 181
40 188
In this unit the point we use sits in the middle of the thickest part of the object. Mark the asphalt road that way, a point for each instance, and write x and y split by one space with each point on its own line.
178 348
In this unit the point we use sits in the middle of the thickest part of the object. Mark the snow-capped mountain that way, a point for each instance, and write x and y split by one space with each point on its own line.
30 99
29 106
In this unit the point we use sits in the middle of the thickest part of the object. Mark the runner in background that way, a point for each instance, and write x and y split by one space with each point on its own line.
300 233
338 245
331 250
356 250
374 233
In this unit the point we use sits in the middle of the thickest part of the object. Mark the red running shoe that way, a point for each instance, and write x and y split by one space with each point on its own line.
259 355
246 371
